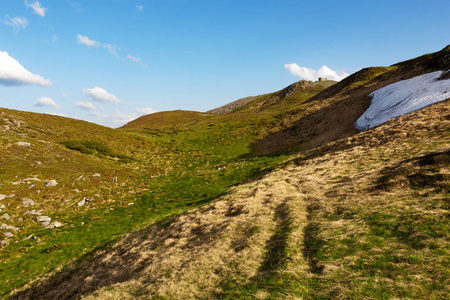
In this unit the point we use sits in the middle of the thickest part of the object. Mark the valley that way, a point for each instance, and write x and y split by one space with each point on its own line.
277 196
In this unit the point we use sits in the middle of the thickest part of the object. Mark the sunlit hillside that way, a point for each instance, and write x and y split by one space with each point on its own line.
275 197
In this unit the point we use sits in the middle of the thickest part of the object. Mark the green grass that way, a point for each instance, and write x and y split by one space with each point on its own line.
189 165
375 233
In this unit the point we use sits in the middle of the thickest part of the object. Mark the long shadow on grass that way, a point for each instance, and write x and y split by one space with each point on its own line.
275 257
274 260
121 262
312 243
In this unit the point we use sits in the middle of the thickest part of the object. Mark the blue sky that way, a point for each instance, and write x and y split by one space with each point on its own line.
110 61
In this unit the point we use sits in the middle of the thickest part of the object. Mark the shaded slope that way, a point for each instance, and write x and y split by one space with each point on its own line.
331 114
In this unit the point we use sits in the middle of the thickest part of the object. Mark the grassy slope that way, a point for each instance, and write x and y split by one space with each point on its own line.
364 217
159 162
163 154
286 242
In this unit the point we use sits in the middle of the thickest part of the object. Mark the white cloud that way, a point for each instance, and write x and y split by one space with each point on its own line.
12 73
58 114
65 93
144 111
136 59
47 102
77 7
112 50
313 75
86 41
139 7
118 118
37 7
101 95
16 23
85 105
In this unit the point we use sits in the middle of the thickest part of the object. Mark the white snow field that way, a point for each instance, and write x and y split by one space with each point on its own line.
404 97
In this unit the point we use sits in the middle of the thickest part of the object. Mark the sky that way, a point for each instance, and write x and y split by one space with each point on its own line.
109 62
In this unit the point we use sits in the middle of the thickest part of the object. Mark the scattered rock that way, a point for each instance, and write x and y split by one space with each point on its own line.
115 179
27 202
82 202
6 216
23 144
8 227
31 179
4 243
54 224
33 212
2 197
96 175
11 195
50 183
8 234
44 220
30 237
17 182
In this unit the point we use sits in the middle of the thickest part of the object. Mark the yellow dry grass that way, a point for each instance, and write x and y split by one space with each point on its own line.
325 195
188 265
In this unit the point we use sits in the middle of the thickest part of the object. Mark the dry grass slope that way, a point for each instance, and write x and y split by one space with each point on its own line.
350 215
326 225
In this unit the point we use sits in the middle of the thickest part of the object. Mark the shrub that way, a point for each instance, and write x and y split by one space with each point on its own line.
94 147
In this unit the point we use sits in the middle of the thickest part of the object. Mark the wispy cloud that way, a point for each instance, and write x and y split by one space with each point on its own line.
37 7
100 95
86 41
136 59
112 50
12 73
311 74
16 23
46 102
64 93
77 7
85 105
139 7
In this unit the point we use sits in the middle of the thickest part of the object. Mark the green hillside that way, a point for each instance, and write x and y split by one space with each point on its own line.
278 198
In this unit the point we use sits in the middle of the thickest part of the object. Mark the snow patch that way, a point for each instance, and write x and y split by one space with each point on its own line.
404 97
